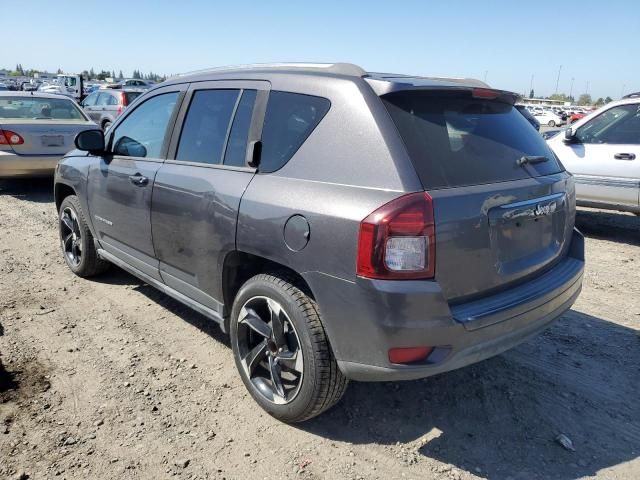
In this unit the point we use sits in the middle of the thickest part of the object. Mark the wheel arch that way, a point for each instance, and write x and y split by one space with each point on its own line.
62 191
240 266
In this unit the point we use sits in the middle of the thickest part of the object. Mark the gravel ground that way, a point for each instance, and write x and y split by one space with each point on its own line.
108 378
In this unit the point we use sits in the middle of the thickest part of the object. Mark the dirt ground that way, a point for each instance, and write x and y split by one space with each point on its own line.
108 378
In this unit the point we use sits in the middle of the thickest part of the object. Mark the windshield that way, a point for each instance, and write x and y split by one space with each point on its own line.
455 140
39 109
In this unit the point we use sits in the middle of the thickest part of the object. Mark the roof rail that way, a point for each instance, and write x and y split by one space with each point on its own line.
347 69
632 95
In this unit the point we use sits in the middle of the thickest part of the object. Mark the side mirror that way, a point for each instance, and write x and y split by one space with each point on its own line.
569 135
91 141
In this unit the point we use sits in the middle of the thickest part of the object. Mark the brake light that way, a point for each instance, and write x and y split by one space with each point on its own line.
484 93
123 103
397 241
7 137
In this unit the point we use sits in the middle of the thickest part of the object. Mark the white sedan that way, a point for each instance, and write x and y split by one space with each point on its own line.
548 118
602 151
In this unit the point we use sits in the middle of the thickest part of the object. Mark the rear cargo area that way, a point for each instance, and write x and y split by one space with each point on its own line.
504 207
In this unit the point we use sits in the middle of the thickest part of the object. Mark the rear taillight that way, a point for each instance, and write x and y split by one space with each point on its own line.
123 103
7 137
397 241
484 93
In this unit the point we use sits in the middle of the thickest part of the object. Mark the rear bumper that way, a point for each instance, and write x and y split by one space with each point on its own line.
364 319
15 165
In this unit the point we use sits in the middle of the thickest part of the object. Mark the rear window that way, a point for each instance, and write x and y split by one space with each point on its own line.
455 140
131 96
289 120
39 109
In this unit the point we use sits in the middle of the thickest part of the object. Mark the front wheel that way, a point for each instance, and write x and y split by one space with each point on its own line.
281 349
76 240
552 123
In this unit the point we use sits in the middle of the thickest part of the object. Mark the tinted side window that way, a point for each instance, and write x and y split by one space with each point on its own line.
206 125
289 120
618 125
237 143
142 133
131 96
113 100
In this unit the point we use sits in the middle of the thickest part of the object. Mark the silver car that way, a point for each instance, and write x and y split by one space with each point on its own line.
602 150
36 130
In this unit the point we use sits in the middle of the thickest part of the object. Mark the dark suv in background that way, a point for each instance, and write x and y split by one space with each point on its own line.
338 224
104 106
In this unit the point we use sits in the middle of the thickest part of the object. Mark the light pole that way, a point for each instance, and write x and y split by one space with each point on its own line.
531 84
485 75
571 88
558 79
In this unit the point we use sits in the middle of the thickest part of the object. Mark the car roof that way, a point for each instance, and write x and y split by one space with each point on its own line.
33 95
381 82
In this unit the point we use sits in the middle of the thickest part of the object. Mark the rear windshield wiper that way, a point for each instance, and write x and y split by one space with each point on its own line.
530 159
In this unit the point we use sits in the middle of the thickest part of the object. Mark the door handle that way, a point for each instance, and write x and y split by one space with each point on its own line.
625 156
138 180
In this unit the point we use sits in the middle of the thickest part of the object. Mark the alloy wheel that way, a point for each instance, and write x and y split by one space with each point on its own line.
270 350
70 236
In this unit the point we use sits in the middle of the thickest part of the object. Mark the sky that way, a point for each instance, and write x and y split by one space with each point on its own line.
594 42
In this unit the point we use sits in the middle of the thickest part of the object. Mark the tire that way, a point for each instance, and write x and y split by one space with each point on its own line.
76 241
106 125
552 123
309 388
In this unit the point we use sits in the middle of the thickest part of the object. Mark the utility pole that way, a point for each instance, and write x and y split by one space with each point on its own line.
558 79
485 75
587 89
571 89
622 91
531 84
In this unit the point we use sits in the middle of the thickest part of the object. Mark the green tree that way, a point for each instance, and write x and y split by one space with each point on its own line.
92 74
531 93
599 102
608 99
559 96
585 99
120 76
59 71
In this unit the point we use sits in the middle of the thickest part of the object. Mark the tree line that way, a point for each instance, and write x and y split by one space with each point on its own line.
583 100
91 74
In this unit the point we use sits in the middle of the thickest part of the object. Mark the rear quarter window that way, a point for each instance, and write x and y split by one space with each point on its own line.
456 140
289 120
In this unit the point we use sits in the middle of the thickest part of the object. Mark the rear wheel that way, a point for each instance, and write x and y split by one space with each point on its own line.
76 240
281 350
552 123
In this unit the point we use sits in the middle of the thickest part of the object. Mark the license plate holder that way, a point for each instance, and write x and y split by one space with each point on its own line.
52 140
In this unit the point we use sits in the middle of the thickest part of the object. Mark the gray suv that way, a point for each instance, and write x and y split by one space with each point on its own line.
340 225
